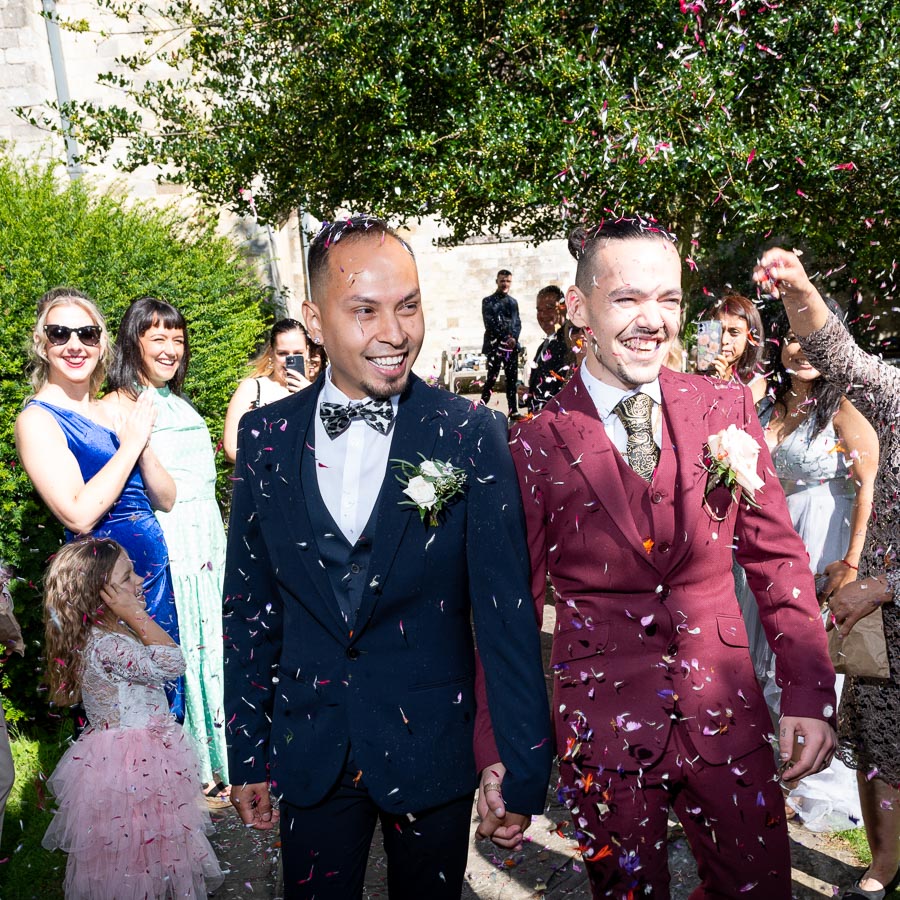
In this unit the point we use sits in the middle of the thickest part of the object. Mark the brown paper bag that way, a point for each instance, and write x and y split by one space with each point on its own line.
864 651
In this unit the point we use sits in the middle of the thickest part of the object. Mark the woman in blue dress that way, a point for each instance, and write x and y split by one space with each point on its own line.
96 473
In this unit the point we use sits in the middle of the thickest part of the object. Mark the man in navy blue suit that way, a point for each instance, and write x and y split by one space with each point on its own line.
350 661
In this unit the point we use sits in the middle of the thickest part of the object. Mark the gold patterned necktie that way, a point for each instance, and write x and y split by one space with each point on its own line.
643 454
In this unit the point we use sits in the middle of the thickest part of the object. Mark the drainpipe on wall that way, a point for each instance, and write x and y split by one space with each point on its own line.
73 167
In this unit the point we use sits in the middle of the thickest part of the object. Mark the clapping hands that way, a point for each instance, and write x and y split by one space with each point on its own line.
137 426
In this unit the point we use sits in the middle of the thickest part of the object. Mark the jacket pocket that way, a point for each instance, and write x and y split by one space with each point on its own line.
733 631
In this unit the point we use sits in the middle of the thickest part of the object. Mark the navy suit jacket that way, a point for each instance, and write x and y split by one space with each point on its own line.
399 687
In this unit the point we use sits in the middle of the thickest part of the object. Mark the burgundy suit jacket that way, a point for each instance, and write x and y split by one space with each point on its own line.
648 627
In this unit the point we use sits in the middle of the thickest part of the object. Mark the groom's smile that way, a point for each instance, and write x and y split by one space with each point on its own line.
368 314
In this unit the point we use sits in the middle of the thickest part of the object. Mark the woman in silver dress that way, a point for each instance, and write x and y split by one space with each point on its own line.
869 717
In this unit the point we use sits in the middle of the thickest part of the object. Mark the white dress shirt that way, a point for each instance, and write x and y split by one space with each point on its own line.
606 397
351 467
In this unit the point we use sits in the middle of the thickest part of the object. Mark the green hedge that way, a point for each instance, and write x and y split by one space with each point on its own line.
54 232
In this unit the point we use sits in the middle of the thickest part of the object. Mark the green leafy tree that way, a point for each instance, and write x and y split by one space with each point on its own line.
734 121
64 235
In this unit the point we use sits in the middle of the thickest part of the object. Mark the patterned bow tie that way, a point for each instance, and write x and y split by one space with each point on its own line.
336 417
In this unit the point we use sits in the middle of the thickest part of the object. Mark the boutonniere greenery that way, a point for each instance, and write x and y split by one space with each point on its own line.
430 486
732 462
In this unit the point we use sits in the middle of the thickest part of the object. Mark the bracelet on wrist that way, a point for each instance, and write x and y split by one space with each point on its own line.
850 565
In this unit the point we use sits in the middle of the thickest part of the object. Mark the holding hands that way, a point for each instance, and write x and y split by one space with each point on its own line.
855 601
506 829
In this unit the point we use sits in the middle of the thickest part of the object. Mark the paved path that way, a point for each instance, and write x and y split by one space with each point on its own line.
548 867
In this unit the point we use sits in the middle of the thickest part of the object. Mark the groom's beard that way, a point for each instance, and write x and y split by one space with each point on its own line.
635 372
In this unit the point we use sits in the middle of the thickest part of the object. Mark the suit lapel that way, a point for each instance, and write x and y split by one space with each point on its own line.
592 457
291 499
415 432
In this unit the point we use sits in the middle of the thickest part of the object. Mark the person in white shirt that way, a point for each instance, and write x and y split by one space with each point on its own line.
373 518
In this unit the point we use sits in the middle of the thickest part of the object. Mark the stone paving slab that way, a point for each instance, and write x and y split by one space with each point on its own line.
548 867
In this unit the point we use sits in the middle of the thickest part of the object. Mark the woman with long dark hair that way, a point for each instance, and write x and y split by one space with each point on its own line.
743 343
153 353
826 456
869 716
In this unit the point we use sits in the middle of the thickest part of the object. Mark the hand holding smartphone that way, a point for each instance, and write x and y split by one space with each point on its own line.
709 344
296 363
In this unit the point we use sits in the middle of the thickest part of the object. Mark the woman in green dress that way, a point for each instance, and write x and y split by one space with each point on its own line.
153 353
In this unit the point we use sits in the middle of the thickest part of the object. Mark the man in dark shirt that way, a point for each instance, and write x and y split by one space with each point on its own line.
502 326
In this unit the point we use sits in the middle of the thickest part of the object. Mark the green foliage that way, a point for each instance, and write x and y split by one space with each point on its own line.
29 871
734 121
53 234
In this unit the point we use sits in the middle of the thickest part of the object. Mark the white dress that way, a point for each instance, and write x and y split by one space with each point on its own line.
820 494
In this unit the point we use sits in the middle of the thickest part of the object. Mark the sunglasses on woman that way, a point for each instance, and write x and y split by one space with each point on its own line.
89 335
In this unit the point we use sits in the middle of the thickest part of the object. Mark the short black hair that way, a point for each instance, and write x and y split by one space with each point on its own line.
504 272
127 370
551 290
354 228
585 240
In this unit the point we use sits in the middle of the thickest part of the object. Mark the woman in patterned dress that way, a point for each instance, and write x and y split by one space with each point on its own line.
869 717
152 359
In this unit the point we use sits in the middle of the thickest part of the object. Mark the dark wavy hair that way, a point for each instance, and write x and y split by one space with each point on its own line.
585 240
825 395
753 358
127 370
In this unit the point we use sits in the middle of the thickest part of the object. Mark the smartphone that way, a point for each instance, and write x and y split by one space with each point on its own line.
296 363
709 344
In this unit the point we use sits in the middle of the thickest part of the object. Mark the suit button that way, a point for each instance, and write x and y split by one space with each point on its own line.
663 546
671 650
352 653
664 591
657 497
354 568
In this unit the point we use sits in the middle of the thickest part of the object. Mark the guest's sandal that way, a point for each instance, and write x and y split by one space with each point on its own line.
217 796
856 891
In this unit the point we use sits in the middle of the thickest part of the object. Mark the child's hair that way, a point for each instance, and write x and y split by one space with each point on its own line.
72 605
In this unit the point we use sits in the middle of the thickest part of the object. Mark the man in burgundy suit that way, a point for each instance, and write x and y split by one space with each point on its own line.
655 700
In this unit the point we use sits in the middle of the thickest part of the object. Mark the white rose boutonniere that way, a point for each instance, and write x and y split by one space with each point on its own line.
733 455
430 486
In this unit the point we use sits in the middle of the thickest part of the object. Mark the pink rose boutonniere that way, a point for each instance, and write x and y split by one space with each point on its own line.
733 455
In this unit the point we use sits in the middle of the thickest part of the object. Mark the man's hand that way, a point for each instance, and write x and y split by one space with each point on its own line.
508 343
816 742
854 601
254 805
504 828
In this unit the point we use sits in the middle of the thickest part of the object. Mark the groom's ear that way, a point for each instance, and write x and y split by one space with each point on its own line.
575 305
312 320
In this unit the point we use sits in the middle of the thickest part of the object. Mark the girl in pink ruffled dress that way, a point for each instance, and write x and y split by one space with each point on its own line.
130 814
